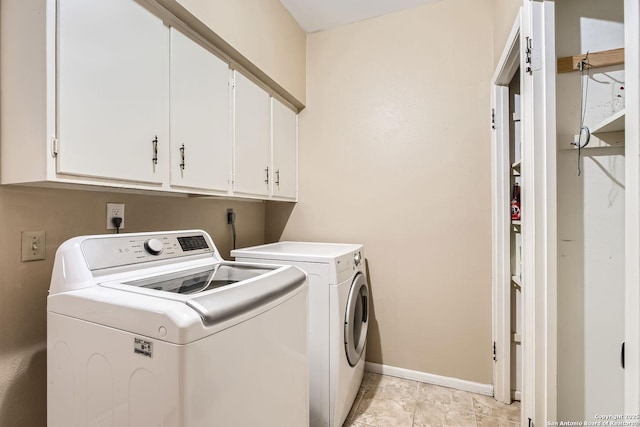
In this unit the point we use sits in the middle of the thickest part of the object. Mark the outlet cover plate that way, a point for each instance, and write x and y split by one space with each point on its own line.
113 210
33 245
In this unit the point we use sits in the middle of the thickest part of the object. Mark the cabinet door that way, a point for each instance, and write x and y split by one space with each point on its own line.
200 113
252 173
284 143
112 89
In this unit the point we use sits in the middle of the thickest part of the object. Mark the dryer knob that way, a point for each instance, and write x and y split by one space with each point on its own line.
357 258
153 246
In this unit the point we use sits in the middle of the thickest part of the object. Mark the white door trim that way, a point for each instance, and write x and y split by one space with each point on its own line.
632 206
501 243
510 57
501 220
539 215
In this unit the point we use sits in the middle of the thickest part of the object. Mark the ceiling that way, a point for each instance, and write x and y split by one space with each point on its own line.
318 15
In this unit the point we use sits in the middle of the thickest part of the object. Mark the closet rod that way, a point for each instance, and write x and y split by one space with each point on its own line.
603 58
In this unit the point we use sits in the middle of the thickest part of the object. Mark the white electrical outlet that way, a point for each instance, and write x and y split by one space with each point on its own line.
115 210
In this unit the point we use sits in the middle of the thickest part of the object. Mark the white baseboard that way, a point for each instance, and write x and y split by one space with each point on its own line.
408 374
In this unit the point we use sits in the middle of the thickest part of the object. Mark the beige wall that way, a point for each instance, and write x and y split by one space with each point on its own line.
264 32
23 286
395 154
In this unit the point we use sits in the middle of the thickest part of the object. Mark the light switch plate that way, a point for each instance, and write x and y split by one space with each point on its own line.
33 245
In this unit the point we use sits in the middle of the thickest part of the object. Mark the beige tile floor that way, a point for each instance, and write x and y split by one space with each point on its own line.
385 401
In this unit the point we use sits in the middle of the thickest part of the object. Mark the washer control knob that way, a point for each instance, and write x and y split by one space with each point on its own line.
357 258
153 246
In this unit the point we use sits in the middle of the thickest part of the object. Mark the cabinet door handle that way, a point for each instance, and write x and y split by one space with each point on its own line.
182 156
266 181
278 177
154 159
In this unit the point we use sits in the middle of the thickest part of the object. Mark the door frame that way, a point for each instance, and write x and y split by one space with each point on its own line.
539 213
537 61
632 206
501 220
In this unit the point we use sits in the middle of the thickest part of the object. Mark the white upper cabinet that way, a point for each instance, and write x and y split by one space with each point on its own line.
251 156
284 146
200 115
106 93
112 97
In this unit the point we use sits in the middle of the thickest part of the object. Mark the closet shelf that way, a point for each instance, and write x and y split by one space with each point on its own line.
516 222
615 123
603 58
604 135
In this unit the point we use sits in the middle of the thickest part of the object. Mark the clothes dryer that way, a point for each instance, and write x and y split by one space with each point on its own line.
338 320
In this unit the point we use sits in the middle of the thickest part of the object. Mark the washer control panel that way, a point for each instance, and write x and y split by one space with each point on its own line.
103 252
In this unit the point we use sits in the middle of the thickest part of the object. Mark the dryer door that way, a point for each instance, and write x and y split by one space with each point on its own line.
356 319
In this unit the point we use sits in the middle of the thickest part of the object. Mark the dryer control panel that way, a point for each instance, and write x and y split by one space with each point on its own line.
109 251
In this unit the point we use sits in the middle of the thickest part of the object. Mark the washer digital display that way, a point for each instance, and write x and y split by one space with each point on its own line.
192 243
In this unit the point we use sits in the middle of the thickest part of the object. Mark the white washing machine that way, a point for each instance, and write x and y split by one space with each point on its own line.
156 330
338 320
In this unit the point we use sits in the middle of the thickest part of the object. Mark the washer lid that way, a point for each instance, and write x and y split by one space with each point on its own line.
220 292
180 318
197 280
219 307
